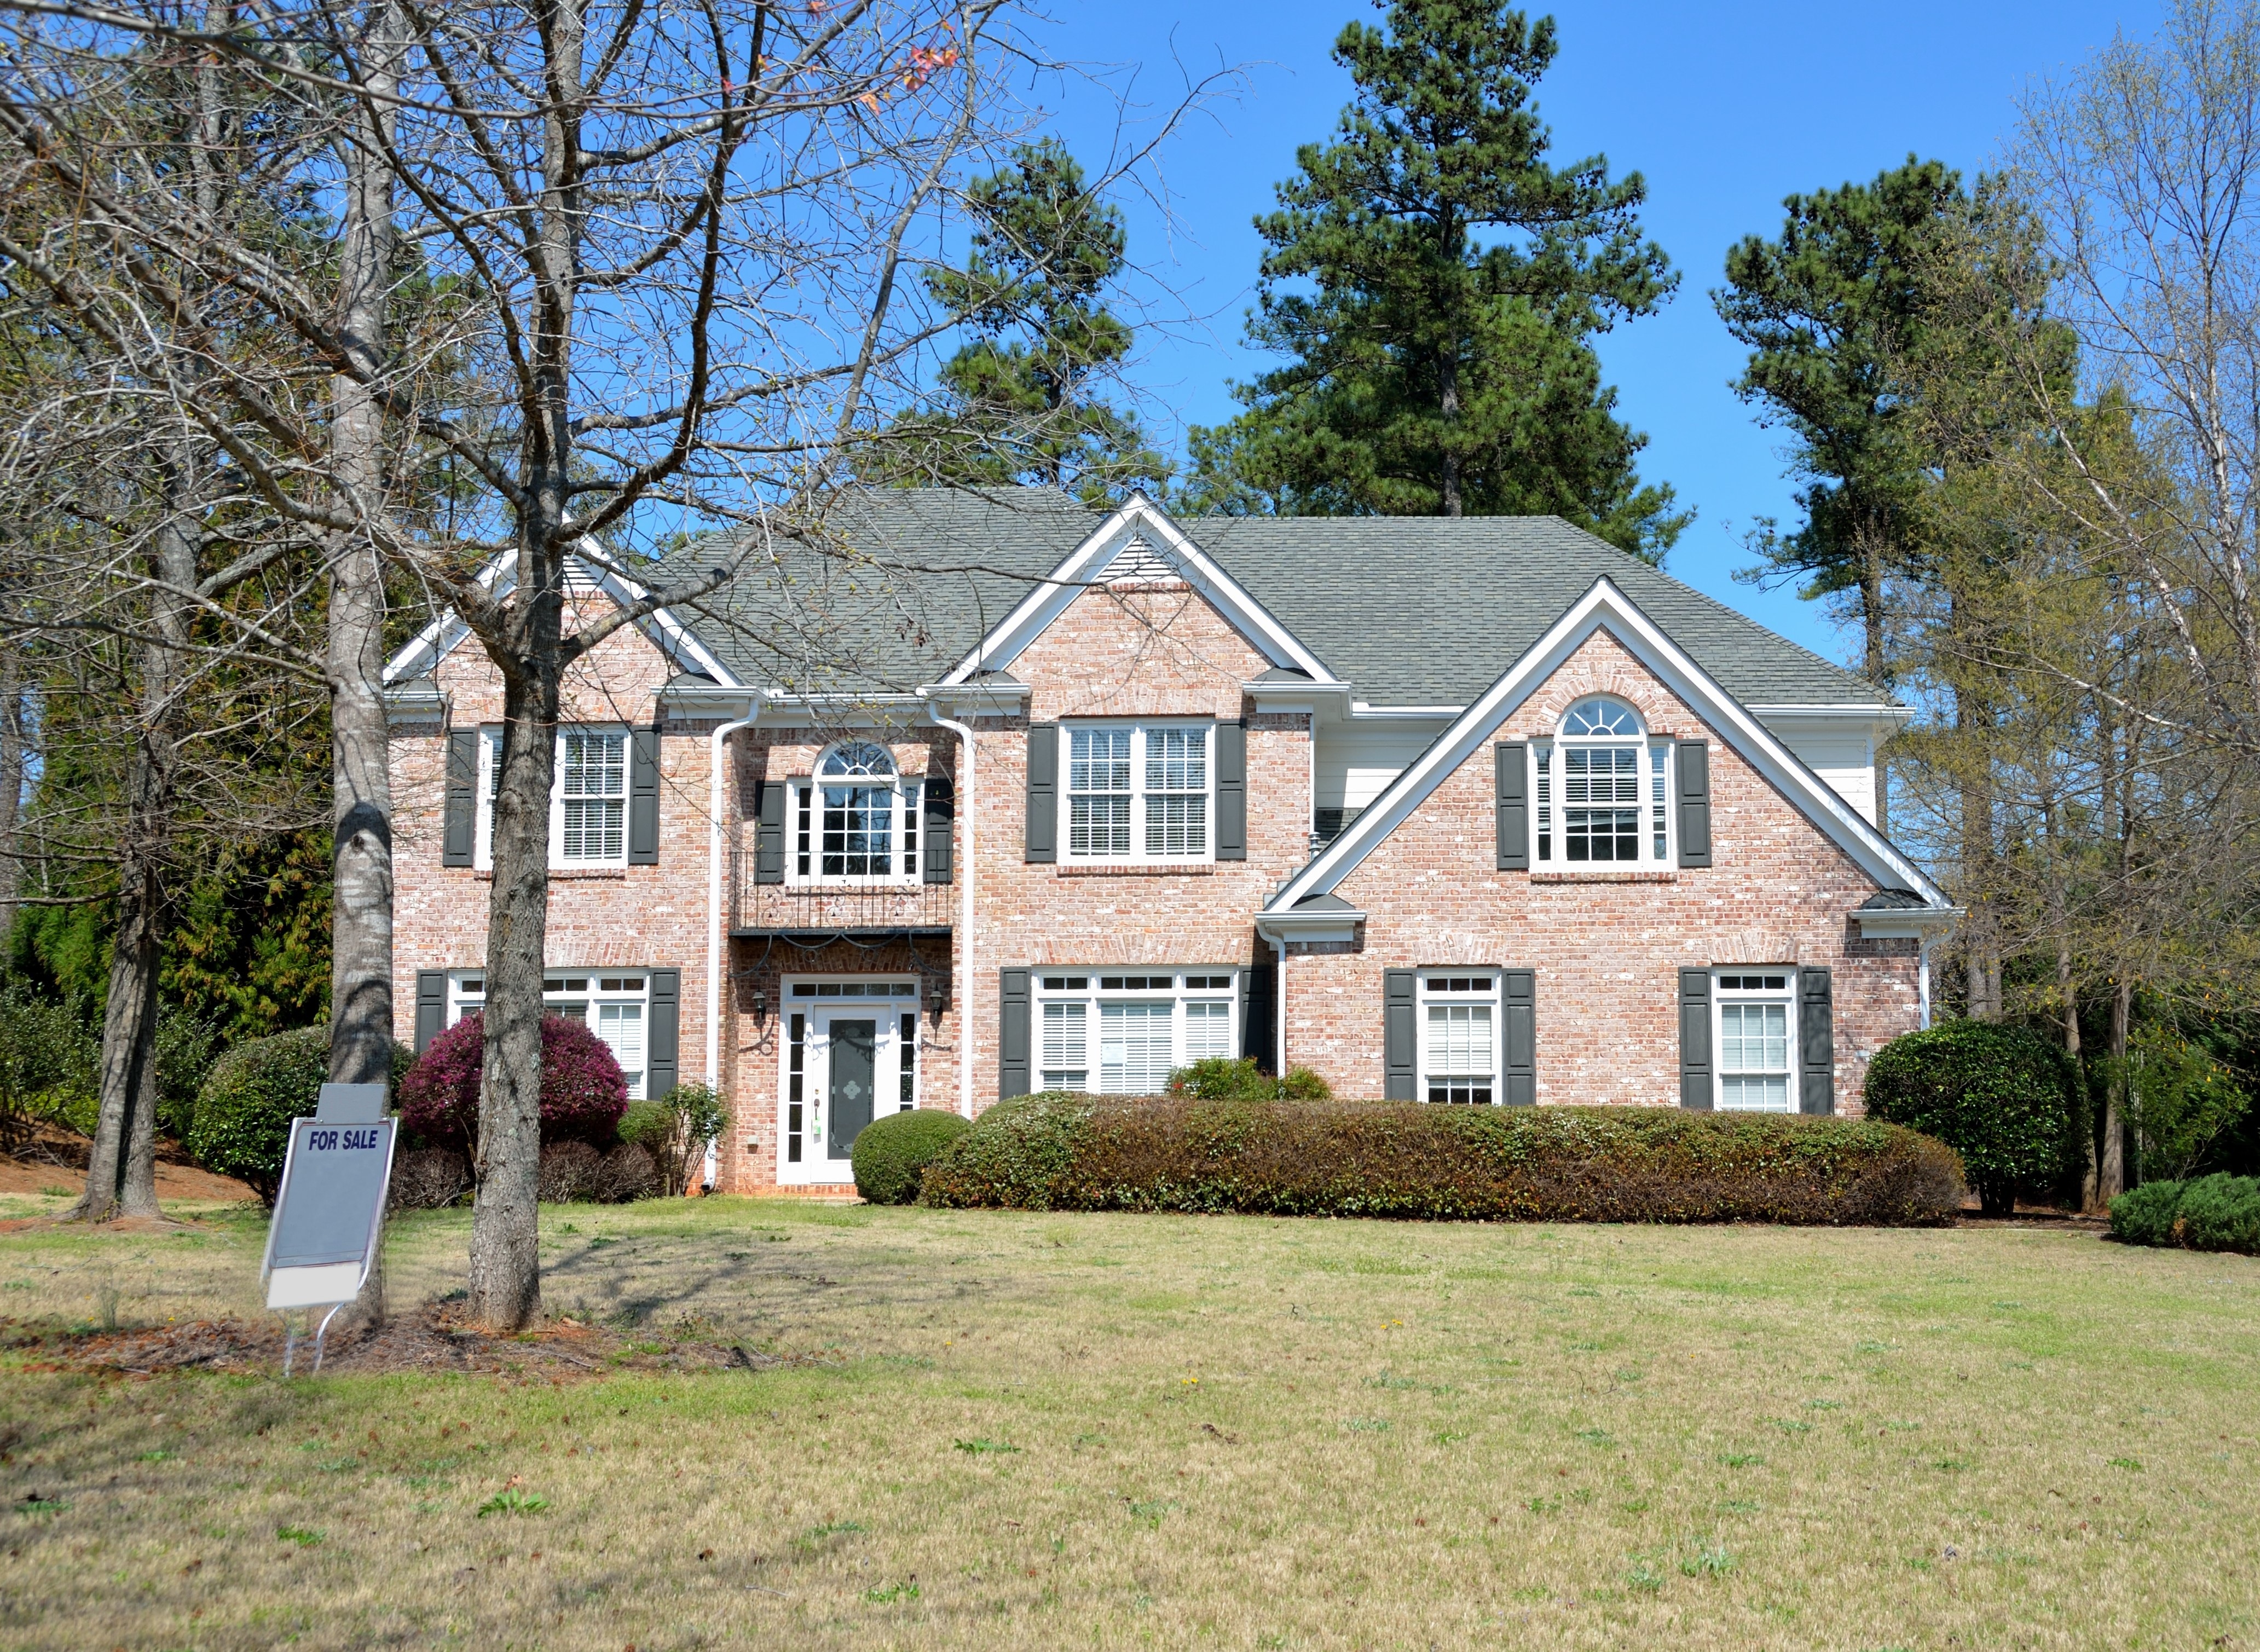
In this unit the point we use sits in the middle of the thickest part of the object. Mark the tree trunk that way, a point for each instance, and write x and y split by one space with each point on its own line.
121 1176
14 743
2111 1178
505 1248
1447 374
360 813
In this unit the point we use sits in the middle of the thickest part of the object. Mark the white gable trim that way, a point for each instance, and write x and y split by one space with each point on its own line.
423 653
1605 608
1086 566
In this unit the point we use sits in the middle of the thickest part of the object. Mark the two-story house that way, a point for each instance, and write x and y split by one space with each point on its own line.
990 793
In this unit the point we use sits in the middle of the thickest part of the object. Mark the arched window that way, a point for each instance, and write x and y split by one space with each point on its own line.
1614 787
857 821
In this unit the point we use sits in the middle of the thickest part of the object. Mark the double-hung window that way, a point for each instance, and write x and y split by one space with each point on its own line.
1603 789
1137 792
1459 1038
616 1007
856 821
588 796
1756 1011
1123 1033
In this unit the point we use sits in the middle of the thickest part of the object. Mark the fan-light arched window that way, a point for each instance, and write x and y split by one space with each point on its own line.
857 821
1604 788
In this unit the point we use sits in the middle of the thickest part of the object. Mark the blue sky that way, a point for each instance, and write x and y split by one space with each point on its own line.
1725 109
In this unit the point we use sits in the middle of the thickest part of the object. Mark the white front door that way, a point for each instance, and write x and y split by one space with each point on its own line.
849 1051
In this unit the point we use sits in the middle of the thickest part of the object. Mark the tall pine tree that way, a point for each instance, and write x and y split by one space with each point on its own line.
1020 401
1832 312
1437 283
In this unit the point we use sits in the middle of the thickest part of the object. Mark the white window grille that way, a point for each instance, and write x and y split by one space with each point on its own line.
1756 1011
1136 1042
856 821
1147 1023
1138 793
1459 1039
616 1006
588 796
1603 789
1065 1064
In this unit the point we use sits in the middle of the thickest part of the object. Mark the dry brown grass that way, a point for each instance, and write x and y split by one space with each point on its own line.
1007 1430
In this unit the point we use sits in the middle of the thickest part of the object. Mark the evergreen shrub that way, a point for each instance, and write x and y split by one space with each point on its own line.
241 1125
892 1152
583 1092
2145 1215
1057 1151
1221 1078
2001 1096
2213 1212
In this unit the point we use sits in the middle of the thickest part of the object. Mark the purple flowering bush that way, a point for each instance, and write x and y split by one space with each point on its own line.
583 1093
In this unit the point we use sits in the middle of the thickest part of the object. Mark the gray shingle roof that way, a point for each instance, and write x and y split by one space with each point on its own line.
1409 611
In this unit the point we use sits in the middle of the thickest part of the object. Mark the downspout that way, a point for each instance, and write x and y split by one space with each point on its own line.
1923 981
714 818
1278 1004
961 953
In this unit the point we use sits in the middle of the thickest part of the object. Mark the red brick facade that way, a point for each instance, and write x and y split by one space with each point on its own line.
1606 947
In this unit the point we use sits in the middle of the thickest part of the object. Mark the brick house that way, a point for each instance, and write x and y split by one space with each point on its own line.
992 793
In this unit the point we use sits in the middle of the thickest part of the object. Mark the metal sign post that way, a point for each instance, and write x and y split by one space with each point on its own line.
329 1210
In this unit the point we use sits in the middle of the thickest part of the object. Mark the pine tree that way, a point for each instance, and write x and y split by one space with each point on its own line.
1832 313
1438 283
1019 402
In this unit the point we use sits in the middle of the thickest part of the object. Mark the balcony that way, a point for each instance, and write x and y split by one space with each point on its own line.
815 911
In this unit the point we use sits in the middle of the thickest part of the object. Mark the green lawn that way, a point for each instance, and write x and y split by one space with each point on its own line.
1032 1431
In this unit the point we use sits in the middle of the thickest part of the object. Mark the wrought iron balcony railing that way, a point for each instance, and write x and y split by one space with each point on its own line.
838 909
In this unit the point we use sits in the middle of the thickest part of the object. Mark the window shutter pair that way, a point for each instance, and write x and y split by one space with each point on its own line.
1816 1041
458 842
1042 839
1517 1036
1015 1012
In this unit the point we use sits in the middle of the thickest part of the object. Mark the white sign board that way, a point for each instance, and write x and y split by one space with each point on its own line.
330 1209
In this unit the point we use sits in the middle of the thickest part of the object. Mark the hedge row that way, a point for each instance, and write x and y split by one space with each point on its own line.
1407 1159
2213 1212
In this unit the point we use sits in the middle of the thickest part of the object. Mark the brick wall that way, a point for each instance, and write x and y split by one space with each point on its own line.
1607 946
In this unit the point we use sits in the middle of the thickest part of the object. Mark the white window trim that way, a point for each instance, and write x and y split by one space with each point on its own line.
907 842
631 986
1549 822
1140 728
1785 995
1094 995
490 756
1489 997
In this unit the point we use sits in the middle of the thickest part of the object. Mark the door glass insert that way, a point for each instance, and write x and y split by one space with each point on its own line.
853 1080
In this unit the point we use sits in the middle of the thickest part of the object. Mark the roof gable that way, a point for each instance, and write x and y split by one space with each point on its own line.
1605 608
1137 542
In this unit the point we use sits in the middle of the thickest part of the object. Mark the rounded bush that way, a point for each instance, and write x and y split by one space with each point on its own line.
2001 1096
2145 1215
1409 1158
891 1153
583 1092
2220 1213
242 1126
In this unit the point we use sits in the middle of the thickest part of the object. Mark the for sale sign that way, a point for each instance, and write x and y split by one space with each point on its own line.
329 1210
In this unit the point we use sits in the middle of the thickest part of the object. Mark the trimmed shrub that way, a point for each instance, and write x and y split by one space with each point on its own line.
429 1178
583 1092
1998 1096
569 1170
628 1172
2220 1213
674 1132
1221 1078
1408 1159
242 1126
2144 1215
892 1152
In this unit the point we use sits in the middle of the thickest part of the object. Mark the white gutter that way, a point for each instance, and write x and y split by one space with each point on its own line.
714 818
961 953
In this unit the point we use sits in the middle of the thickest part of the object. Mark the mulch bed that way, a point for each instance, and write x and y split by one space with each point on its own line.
432 1339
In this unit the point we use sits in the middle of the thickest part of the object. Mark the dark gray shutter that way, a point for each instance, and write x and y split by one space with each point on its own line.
768 832
1013 1015
1513 762
662 1067
643 798
1816 1042
1043 793
1259 1003
458 837
1231 791
1401 1036
431 1006
1695 1038
1694 766
937 807
1518 1036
